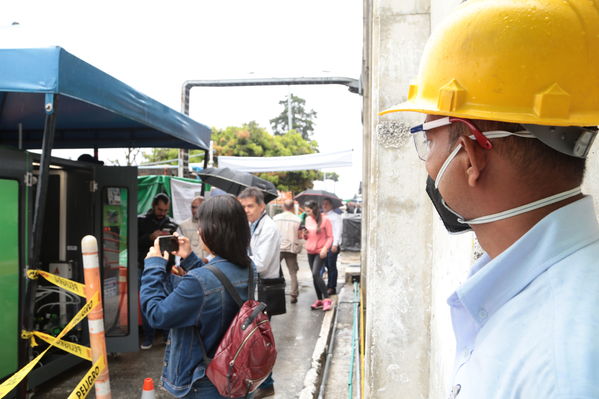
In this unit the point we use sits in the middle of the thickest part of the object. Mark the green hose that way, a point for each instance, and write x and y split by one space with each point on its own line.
354 340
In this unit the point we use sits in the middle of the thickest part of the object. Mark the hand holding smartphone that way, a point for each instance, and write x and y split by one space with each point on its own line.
169 243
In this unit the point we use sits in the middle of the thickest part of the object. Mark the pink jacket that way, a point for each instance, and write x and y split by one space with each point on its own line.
317 240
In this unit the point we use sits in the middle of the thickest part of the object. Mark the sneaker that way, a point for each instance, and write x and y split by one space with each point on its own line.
146 344
264 392
316 305
327 304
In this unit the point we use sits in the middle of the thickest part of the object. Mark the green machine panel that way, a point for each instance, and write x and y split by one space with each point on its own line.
9 276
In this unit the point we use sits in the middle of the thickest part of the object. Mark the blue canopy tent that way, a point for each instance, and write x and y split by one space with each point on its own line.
95 110
52 99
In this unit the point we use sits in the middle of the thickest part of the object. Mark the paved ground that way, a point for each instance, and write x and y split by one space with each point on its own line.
295 333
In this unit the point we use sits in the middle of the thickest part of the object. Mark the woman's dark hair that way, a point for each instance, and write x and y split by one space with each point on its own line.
223 226
313 205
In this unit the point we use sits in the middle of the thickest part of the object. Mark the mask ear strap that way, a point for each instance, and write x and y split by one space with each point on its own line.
446 164
524 208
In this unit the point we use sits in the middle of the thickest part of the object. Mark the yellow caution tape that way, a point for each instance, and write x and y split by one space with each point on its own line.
16 378
69 285
88 380
71 347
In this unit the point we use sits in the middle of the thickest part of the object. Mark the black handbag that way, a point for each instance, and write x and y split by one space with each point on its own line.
271 291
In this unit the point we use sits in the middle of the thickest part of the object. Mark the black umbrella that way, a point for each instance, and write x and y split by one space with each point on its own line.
318 196
234 182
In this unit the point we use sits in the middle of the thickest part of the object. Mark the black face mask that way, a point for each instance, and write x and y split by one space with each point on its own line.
449 219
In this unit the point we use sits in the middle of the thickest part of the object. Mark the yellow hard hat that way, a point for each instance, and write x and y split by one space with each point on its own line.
522 61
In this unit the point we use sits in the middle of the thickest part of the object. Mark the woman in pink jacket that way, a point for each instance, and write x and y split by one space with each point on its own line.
319 237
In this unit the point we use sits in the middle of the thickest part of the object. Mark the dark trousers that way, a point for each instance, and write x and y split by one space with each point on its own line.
331 264
316 266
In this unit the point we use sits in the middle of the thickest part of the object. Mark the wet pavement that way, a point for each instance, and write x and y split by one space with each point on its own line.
295 332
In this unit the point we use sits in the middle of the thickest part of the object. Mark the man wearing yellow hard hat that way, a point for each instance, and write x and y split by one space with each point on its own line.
510 90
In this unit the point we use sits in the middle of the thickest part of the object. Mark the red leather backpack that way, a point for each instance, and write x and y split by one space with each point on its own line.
246 354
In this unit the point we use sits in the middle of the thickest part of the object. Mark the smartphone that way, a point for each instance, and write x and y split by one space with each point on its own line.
168 243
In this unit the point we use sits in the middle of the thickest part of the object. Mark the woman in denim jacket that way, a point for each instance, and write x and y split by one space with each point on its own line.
198 304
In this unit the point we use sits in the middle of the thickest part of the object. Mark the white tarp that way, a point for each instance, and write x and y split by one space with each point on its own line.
183 193
336 159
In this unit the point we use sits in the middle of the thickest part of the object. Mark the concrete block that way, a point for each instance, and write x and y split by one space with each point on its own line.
313 377
352 271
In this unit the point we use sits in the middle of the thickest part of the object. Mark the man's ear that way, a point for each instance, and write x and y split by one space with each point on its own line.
475 160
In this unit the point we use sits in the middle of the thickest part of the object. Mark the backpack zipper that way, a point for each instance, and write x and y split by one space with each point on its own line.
232 362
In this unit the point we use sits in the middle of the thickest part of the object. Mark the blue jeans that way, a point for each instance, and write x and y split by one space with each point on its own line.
204 389
331 264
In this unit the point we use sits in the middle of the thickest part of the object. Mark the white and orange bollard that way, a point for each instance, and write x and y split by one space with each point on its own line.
148 389
91 268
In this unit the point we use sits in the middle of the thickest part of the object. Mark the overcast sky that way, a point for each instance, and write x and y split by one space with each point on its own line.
155 46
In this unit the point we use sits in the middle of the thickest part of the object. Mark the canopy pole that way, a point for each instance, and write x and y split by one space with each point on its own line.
206 155
39 211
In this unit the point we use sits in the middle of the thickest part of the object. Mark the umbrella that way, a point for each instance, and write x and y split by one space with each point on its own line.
234 182
318 196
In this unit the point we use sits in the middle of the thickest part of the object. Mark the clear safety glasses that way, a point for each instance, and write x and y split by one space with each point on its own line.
422 142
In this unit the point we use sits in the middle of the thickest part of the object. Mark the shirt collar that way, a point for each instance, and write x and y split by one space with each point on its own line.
255 223
493 282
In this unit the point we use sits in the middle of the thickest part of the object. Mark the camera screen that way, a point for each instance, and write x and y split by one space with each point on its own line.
168 243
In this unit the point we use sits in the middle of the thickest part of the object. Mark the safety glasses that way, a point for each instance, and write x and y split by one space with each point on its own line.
422 142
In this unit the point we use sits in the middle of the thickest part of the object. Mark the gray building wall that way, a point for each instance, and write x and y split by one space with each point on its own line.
411 265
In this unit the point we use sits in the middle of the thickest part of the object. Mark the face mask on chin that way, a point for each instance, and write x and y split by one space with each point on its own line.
448 217
455 223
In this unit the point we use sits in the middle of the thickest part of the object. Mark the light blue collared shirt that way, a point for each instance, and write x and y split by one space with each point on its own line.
527 322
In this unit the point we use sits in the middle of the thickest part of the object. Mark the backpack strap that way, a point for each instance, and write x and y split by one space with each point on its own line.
226 283
231 290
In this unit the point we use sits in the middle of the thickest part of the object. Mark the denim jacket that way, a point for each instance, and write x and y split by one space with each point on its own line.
196 303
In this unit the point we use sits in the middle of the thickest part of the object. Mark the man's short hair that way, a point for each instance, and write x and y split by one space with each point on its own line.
289 205
160 197
252 192
535 159
198 198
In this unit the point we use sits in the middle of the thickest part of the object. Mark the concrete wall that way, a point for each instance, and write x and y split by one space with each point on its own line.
411 265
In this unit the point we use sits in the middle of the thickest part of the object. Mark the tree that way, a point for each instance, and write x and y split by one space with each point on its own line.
251 140
172 154
302 121
131 155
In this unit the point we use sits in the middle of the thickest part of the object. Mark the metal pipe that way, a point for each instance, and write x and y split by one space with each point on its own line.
353 85
205 166
289 114
20 126
39 212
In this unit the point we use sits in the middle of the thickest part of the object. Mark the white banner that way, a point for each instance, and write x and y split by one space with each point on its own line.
182 194
336 159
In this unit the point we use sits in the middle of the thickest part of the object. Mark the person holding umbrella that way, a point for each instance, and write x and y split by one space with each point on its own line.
318 233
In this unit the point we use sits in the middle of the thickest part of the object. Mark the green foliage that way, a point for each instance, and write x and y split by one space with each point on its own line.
302 121
331 176
252 140
164 154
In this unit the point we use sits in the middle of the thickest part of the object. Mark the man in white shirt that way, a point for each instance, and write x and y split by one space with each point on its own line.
265 236
291 245
264 247
331 260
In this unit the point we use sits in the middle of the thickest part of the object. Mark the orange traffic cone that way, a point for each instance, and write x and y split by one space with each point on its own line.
148 391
